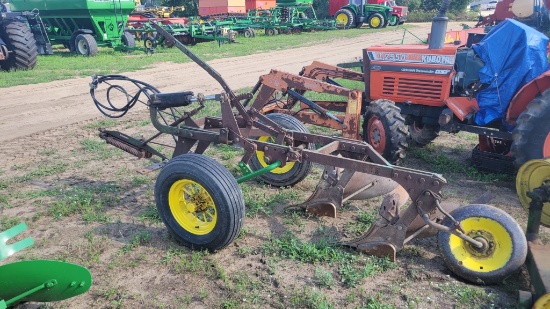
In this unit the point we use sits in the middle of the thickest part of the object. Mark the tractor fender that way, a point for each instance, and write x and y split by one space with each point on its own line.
75 34
525 95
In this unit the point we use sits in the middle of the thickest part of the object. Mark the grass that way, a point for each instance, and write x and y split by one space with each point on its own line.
442 163
68 65
88 201
349 264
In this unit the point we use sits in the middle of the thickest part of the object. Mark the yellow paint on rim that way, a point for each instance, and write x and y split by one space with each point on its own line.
260 156
500 245
192 207
375 22
543 302
532 175
342 18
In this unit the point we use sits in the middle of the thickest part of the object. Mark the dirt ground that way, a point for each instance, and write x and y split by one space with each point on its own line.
84 203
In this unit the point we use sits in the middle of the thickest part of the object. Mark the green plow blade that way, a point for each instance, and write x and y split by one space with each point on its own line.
41 281
7 250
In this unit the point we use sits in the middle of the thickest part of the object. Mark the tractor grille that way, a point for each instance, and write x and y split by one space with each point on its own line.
412 88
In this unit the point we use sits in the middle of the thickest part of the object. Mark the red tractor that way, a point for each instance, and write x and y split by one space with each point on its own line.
496 89
495 86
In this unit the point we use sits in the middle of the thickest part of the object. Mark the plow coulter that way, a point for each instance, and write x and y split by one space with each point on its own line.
200 201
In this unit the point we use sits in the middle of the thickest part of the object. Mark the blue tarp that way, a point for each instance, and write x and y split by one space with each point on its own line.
514 54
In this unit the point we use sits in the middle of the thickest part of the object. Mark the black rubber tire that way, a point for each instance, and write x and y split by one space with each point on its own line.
394 20
271 31
150 43
248 33
85 45
483 222
349 15
299 170
532 132
374 17
391 143
20 41
128 40
218 183
422 135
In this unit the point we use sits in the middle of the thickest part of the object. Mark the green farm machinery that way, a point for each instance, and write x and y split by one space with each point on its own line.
355 15
201 204
36 280
288 16
190 33
83 25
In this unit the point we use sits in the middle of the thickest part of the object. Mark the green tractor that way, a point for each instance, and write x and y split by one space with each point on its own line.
356 14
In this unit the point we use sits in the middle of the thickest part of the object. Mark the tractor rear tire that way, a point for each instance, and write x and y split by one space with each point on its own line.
200 202
506 246
129 41
344 18
293 172
20 41
531 136
85 45
376 21
385 130
423 134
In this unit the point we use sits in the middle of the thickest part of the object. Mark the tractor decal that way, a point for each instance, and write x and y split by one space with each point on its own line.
411 57
421 70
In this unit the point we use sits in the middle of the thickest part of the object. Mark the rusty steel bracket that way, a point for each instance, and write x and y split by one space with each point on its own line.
323 71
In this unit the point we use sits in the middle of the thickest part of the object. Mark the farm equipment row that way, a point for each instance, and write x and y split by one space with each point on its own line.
201 204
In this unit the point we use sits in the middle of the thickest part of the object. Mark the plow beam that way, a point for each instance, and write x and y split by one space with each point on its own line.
325 72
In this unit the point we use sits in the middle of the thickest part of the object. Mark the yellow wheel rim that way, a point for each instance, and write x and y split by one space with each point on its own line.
543 302
192 207
532 175
486 230
342 19
375 22
261 158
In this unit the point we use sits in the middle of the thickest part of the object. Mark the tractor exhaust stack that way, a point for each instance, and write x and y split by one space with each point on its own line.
439 26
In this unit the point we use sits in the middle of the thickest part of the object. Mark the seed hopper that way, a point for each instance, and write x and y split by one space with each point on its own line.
200 201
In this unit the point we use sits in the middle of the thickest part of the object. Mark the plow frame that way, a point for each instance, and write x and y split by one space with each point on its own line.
239 124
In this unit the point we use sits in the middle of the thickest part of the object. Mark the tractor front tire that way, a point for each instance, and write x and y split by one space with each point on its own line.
20 41
344 18
200 202
531 136
504 251
85 45
293 172
376 21
422 134
385 130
